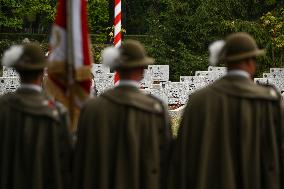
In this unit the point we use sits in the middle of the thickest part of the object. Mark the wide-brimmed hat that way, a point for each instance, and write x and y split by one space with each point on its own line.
240 46
132 55
26 57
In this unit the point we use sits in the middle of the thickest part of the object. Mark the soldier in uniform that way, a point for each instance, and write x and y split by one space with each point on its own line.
124 134
34 143
231 131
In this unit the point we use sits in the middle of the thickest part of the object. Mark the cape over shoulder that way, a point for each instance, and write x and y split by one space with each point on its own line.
243 87
31 102
131 96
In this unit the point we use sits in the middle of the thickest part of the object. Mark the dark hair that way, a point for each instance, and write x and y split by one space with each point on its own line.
29 76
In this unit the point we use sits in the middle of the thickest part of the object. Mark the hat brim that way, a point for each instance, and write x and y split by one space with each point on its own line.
30 67
135 64
255 53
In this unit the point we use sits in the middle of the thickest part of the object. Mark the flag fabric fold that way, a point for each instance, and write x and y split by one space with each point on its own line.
69 68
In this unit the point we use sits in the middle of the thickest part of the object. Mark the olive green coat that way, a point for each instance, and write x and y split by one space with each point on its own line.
123 142
230 138
34 144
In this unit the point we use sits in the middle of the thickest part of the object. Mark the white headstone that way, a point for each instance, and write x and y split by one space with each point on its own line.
261 80
159 91
9 72
147 80
177 92
100 70
279 71
9 84
103 83
159 72
218 69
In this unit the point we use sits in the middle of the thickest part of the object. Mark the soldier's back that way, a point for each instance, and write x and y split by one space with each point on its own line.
32 139
123 134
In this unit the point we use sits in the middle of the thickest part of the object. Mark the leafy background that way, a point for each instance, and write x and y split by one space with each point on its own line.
175 32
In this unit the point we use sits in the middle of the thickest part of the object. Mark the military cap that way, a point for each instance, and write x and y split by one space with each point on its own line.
240 46
132 55
26 57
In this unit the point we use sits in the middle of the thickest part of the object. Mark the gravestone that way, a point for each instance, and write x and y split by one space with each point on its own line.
278 71
10 80
274 77
194 82
105 82
261 80
159 91
9 84
177 92
159 72
100 70
9 72
103 79
147 80
217 69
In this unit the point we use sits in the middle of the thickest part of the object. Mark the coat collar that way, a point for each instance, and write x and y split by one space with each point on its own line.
241 73
128 83
31 86
31 101
131 96
244 87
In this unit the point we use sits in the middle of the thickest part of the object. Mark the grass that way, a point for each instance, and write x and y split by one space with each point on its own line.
175 123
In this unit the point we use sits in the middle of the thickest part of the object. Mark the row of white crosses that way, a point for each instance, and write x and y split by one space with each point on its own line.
174 93
156 82
274 77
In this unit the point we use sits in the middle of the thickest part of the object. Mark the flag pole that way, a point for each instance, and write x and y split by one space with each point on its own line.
70 67
117 23
117 30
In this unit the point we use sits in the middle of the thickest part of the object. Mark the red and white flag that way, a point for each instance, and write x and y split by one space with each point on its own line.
70 58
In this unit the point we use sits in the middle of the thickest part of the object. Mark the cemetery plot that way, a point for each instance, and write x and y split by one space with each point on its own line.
156 82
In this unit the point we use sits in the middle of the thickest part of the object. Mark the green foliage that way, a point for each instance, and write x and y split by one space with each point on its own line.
97 15
182 31
27 13
41 12
273 22
9 17
38 15
179 31
175 124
